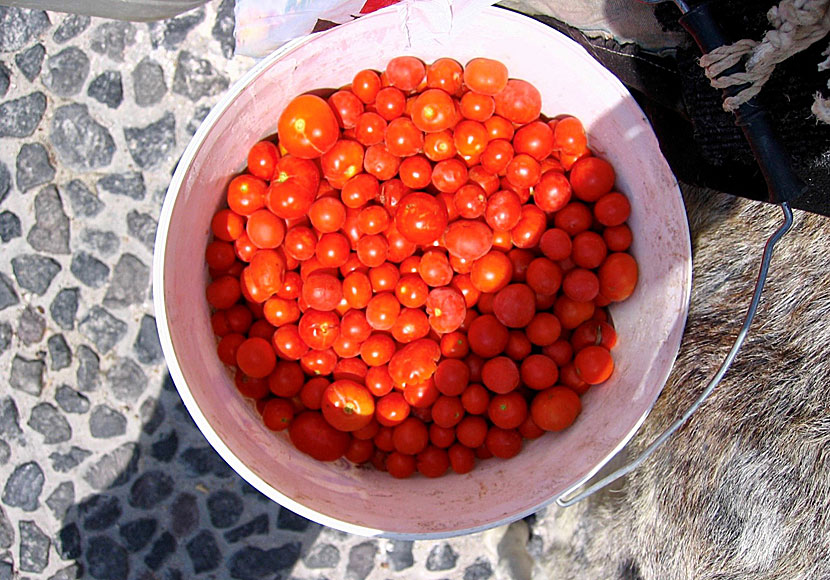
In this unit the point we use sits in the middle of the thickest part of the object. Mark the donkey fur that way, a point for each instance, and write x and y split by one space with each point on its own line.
743 489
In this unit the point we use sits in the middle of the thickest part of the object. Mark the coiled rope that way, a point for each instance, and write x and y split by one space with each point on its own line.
797 24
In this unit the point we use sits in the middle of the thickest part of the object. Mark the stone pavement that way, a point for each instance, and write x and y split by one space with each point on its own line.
102 472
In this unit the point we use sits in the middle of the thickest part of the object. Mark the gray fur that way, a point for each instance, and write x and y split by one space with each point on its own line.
742 491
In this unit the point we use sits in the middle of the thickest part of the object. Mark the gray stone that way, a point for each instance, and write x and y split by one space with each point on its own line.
441 557
184 514
164 547
34 547
68 542
136 534
129 283
88 269
66 71
252 563
30 61
166 447
115 468
20 117
204 552
5 81
34 272
89 368
71 572
84 203
70 27
8 295
196 120
288 520
102 328
148 82
64 307
105 422
106 560
400 555
23 487
150 489
33 166
196 77
478 570
112 38
51 230
9 226
204 460
224 508
71 401
5 336
99 512
361 560
322 556
30 326
49 422
27 375
9 419
152 415
129 184
151 144
171 32
142 227
126 380
107 88
104 242
80 141
5 452
59 352
61 499
18 26
223 27
147 346
63 462
257 526
5 176
6 530
6 567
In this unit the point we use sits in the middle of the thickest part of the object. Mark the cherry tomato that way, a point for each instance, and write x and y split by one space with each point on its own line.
446 308
555 409
485 76
313 435
421 218
519 102
307 127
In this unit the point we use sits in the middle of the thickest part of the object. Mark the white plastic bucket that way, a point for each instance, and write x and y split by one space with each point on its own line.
363 501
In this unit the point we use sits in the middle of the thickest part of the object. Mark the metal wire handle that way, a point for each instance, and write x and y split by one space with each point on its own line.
564 501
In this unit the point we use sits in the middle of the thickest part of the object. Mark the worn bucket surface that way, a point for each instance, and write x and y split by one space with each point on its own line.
364 501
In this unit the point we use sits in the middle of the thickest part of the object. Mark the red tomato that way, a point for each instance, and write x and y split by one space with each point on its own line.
347 405
307 127
312 434
421 218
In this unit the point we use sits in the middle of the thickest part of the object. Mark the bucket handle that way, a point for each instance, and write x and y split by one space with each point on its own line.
566 499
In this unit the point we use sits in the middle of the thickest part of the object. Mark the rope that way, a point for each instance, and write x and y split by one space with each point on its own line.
797 24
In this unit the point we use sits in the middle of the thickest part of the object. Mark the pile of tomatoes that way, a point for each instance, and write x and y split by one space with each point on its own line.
414 273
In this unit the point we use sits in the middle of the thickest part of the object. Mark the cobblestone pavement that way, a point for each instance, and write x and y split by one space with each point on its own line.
102 472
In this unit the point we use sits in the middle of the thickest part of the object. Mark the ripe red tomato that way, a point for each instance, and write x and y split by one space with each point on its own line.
307 127
347 405
313 435
421 218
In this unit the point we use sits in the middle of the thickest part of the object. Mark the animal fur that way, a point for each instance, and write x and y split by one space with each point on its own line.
742 491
